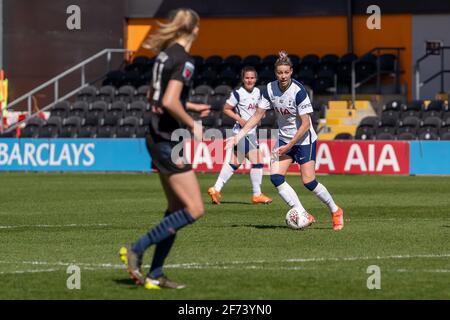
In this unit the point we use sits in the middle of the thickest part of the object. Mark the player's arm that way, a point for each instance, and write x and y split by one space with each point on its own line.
304 127
228 111
201 108
172 103
251 123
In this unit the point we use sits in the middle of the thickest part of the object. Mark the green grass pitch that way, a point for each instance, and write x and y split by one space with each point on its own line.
237 251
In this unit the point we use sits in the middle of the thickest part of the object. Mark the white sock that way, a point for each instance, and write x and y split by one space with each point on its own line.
256 175
225 174
322 193
290 196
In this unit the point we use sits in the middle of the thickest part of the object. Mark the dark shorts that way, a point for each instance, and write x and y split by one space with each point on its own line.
250 142
301 153
162 161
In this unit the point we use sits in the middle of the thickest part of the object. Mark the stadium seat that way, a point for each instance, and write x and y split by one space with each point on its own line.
428 136
412 122
127 127
136 109
415 105
446 117
365 133
87 94
252 60
106 132
228 77
406 136
70 127
394 105
220 96
269 61
87 131
370 121
295 59
431 113
51 128
61 109
389 118
142 131
111 118
106 93
386 129
100 106
343 136
385 136
366 66
432 122
305 76
344 67
324 81
328 62
234 61
118 106
428 129
410 113
79 108
266 76
141 93
125 93
32 127
214 62
210 121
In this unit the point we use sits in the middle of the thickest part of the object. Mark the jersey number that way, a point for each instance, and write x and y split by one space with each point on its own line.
157 75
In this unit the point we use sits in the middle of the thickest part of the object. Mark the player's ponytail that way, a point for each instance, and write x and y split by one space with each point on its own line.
181 22
283 59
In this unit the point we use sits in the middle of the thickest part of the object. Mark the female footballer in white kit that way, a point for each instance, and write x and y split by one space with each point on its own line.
296 138
241 106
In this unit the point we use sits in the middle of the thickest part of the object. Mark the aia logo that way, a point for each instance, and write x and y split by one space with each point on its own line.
252 106
282 111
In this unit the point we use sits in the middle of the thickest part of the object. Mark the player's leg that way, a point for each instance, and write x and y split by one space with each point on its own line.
227 171
307 167
162 249
255 157
278 172
186 188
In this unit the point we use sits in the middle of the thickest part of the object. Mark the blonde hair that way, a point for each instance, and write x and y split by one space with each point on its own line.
180 22
283 59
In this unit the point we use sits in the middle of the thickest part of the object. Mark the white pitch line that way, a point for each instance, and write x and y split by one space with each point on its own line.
55 226
232 264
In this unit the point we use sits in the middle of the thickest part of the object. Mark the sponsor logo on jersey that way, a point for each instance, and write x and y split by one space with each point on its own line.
188 70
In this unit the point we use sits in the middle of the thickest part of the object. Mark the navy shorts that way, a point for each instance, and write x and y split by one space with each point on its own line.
163 159
301 153
250 142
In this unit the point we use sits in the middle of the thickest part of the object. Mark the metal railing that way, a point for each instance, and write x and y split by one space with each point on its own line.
437 74
378 72
55 82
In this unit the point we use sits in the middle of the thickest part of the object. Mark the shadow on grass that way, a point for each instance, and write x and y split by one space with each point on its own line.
272 227
125 282
237 202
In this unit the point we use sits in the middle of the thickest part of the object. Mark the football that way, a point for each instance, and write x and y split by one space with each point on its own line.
297 220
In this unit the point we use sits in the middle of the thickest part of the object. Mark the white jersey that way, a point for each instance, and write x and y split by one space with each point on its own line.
289 105
245 104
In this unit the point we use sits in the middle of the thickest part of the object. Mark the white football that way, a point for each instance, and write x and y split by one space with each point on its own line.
297 220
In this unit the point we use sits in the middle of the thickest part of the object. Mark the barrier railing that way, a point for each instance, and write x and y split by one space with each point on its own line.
55 82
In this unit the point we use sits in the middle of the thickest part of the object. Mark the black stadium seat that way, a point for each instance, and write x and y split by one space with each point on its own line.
61 109
87 132
365 133
385 136
406 136
370 121
394 105
343 136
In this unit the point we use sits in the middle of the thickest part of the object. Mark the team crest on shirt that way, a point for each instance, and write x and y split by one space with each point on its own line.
188 70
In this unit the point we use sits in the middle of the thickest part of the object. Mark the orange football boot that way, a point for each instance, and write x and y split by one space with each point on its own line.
261 199
338 219
215 195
